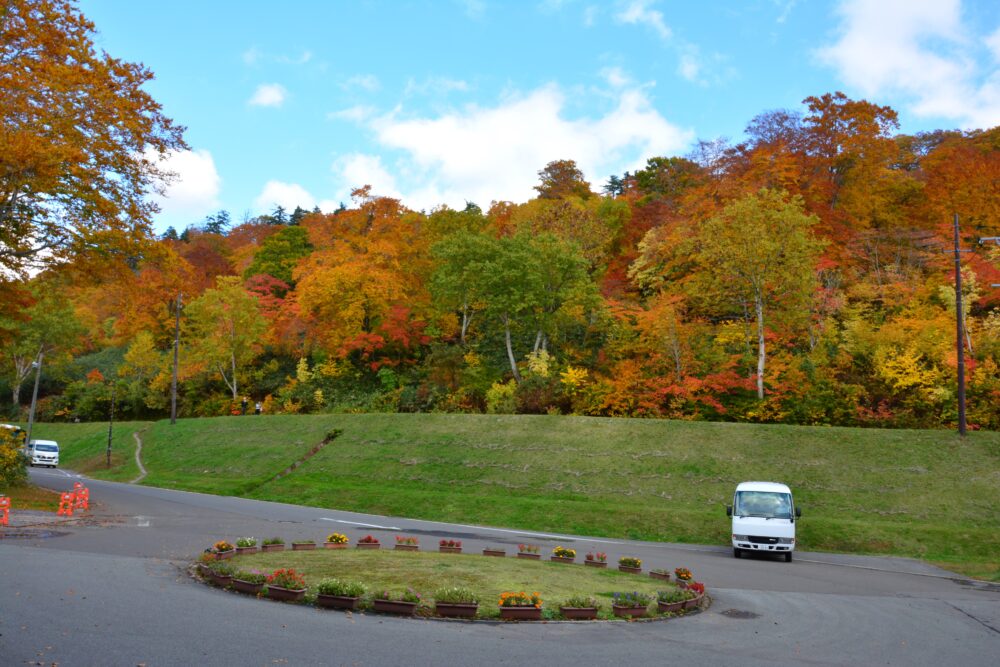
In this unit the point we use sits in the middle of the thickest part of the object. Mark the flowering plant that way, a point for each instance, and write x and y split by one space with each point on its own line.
246 542
409 541
599 557
563 552
527 548
580 601
628 561
409 595
347 589
682 574
675 595
520 599
337 538
451 544
633 599
223 568
287 578
221 546
697 587
368 539
273 540
250 576
456 595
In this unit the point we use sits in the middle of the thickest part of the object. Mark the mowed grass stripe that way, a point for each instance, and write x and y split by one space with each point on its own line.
926 494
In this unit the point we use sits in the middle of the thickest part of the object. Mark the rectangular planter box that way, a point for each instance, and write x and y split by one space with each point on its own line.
595 563
394 607
629 612
529 556
242 551
334 545
455 610
407 547
305 546
660 575
285 594
450 550
630 570
225 555
559 559
368 545
526 613
217 579
681 583
336 601
579 613
267 548
672 607
246 587
494 552
691 604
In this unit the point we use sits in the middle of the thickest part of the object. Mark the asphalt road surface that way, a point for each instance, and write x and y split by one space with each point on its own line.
112 589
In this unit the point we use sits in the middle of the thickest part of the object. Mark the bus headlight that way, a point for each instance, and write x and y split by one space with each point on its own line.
740 538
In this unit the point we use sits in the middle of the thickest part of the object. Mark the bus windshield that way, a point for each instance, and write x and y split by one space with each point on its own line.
46 448
766 504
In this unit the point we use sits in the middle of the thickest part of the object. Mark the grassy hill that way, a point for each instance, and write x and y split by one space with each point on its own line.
927 494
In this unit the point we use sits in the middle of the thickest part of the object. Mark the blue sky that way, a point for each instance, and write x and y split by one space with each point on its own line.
443 102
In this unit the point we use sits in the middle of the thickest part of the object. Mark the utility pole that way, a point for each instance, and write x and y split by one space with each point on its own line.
960 333
34 394
111 420
177 342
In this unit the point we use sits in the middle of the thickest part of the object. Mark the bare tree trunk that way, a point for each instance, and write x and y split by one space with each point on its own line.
510 349
538 341
466 318
761 349
232 359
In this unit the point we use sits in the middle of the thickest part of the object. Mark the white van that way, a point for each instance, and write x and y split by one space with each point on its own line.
763 519
43 453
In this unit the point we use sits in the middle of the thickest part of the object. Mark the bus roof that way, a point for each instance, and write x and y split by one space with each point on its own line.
763 486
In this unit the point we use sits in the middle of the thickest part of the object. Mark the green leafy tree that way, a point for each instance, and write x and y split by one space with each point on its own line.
761 251
279 253
49 327
561 179
224 326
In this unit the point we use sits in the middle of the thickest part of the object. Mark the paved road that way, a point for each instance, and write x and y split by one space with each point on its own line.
113 592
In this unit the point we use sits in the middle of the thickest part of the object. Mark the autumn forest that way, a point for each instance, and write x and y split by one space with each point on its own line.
800 274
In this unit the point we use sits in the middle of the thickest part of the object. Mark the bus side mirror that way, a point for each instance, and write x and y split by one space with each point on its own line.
798 513
729 510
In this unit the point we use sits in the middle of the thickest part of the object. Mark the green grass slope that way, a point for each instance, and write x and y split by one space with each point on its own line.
84 447
927 494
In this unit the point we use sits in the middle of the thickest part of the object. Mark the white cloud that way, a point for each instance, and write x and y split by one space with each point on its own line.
251 56
286 195
615 77
268 95
590 15
195 190
993 44
689 67
482 154
435 85
474 9
358 113
367 82
358 169
638 12
919 50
